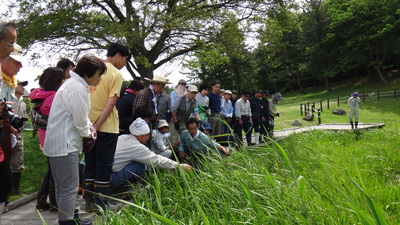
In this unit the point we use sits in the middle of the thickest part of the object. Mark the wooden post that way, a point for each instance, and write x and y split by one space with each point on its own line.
363 97
313 108
320 105
379 95
308 108
305 109
319 116
338 103
301 109
327 103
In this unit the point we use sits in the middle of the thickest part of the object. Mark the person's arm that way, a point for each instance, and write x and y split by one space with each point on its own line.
106 112
78 105
238 112
181 147
223 150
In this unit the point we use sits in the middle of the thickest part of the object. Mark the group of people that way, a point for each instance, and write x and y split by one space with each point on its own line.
119 131
229 115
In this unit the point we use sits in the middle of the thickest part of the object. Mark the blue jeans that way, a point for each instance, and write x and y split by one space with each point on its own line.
131 172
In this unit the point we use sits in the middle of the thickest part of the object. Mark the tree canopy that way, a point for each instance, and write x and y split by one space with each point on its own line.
156 31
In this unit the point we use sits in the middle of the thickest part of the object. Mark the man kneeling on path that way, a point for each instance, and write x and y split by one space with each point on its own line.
132 156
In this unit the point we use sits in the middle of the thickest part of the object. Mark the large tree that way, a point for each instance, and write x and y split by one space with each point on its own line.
366 33
157 31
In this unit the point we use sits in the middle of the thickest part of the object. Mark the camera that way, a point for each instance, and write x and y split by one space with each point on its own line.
16 121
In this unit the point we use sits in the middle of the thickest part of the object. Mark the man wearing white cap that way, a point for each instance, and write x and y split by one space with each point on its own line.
8 36
226 111
185 107
10 68
159 142
132 155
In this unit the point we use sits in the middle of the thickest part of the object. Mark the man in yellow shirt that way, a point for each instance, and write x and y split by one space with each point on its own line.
104 117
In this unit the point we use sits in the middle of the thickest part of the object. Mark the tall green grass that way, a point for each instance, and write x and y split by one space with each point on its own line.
313 178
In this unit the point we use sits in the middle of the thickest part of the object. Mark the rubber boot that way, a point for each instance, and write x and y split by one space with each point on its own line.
257 138
88 196
67 222
79 221
2 207
16 177
352 125
356 124
52 197
41 203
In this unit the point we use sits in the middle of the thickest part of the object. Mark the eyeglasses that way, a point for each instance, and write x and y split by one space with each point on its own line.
10 44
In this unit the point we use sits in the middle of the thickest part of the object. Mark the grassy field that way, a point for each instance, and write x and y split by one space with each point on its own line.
349 177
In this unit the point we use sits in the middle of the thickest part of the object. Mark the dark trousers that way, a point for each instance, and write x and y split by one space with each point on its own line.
5 181
256 122
246 127
99 162
264 127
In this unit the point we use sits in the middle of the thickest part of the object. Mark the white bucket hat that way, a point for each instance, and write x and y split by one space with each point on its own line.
139 127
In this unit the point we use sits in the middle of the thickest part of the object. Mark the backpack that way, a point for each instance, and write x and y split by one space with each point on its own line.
39 120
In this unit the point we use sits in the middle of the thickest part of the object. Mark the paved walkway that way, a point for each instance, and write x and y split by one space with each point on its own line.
26 214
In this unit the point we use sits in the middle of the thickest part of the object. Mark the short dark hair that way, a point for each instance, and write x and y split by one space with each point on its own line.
136 85
51 79
4 23
191 121
65 63
88 66
215 82
204 87
118 47
143 113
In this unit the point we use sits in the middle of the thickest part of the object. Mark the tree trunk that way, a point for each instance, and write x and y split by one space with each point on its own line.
327 84
381 76
235 71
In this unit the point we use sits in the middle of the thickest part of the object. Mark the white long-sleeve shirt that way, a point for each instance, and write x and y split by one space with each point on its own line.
242 108
68 120
129 149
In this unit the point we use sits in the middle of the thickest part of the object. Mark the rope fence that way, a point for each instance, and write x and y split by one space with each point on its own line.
310 108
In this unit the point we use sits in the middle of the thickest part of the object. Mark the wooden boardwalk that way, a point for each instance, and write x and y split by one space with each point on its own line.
332 127
27 215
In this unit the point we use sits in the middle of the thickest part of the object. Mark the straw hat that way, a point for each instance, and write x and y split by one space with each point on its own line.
159 79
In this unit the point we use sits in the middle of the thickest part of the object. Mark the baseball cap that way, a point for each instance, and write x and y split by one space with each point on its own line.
17 53
266 92
192 88
228 92
23 82
355 94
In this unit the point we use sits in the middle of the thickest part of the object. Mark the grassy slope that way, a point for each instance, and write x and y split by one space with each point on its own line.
313 178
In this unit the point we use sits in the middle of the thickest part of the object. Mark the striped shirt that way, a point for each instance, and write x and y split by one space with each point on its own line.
68 120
